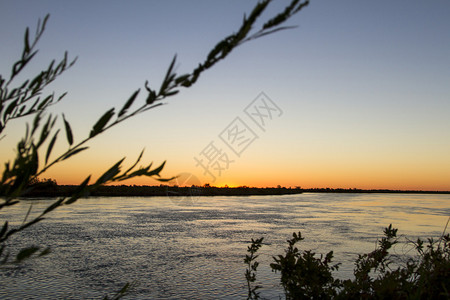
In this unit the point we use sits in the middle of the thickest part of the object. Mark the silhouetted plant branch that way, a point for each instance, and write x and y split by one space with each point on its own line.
26 99
252 266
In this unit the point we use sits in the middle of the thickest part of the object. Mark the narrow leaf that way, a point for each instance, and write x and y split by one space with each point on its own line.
34 163
153 106
172 93
167 78
73 152
45 131
45 102
50 146
62 96
69 134
26 253
28 213
9 110
45 252
36 122
44 22
135 164
113 171
101 123
151 97
166 179
26 42
53 206
128 103
4 229
157 170
182 78
79 192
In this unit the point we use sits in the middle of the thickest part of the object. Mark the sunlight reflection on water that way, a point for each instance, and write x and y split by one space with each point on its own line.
197 251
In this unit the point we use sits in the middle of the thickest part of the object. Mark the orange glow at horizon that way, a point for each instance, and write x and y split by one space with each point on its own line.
324 179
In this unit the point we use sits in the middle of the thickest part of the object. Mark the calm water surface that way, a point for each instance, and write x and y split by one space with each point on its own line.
194 248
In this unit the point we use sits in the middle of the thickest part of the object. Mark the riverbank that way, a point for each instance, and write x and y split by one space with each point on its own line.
162 190
53 190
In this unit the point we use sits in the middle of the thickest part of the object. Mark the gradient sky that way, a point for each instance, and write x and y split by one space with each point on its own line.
363 86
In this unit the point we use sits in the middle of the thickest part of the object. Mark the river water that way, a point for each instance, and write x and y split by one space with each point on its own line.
193 248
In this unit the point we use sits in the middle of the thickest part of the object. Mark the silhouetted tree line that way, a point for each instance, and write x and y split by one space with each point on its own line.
49 188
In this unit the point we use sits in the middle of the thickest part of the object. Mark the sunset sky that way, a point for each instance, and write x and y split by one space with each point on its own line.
358 95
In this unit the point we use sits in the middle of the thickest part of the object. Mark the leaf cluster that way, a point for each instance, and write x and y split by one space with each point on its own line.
377 275
26 97
252 266
303 275
224 47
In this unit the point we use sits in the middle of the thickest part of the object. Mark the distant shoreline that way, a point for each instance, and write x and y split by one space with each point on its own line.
52 190
372 191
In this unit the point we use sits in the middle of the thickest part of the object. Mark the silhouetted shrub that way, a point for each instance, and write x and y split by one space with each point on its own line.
377 275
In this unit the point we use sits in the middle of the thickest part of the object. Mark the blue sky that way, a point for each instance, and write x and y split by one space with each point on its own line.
363 87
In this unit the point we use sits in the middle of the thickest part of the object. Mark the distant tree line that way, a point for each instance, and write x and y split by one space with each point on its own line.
49 188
